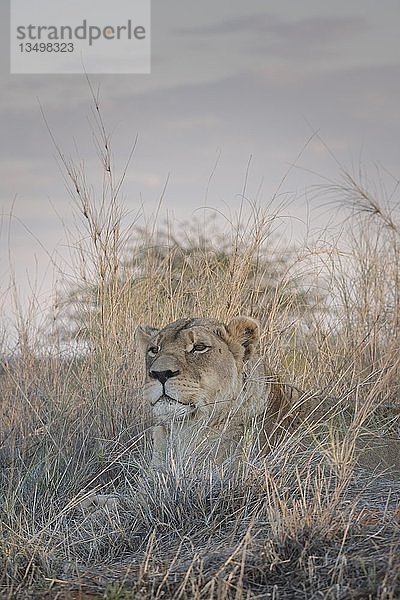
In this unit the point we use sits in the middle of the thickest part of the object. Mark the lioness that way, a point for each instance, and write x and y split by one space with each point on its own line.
203 390
206 390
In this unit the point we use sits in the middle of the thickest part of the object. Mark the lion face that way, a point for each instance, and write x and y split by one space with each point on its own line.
194 367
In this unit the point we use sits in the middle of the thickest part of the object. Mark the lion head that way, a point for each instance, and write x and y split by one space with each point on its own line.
194 367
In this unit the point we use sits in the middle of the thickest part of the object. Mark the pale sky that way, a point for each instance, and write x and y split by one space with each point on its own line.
230 80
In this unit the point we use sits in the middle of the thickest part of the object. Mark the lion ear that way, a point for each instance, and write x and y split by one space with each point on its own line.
143 335
246 332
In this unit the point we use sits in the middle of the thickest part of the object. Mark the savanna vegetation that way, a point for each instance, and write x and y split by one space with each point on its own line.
306 522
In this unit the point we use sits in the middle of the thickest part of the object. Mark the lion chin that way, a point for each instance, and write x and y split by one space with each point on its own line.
167 410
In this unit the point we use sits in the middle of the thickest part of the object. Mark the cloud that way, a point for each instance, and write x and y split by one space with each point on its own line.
182 129
284 36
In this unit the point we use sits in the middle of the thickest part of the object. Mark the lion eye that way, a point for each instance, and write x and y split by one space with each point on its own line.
153 350
200 348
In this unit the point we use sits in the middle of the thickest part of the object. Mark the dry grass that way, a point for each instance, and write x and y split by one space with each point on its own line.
305 523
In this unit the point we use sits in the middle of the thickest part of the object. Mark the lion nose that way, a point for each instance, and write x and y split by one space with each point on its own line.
163 376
